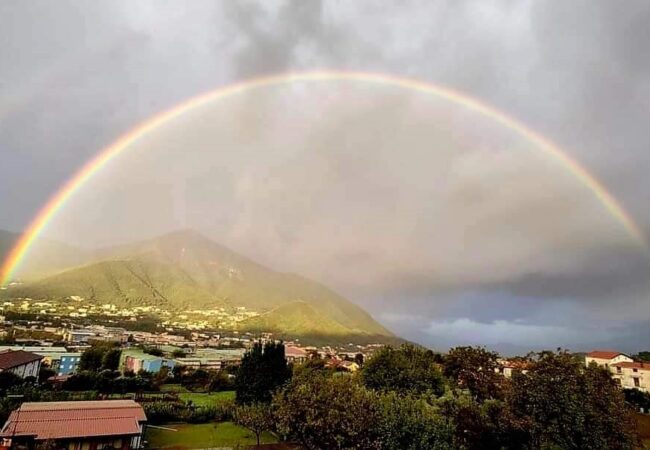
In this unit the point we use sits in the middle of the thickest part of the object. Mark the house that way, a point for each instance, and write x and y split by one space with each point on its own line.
22 363
506 367
295 354
632 375
90 425
51 355
606 358
148 363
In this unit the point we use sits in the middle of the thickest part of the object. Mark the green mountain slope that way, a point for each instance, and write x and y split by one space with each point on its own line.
185 270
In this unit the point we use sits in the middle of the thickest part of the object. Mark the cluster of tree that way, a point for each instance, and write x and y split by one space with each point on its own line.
112 382
154 351
203 380
101 356
262 371
159 412
410 398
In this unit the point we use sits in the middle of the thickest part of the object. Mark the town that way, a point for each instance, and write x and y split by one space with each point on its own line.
98 386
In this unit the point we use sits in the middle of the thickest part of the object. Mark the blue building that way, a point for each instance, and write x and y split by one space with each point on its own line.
68 363
148 363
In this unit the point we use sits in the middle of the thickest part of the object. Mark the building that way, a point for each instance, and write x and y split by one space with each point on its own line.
51 355
632 375
146 362
606 358
295 354
68 363
87 425
79 336
22 363
507 367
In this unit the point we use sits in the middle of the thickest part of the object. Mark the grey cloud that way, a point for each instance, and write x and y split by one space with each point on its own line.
74 75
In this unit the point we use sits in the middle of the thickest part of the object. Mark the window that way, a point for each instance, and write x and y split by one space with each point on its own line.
636 382
618 369
635 370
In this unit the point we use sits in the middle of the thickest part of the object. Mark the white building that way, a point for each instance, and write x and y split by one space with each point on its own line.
606 358
632 375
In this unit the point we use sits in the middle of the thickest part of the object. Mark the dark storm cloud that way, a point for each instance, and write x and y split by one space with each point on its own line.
75 75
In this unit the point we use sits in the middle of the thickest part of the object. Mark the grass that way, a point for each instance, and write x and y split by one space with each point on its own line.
224 434
202 399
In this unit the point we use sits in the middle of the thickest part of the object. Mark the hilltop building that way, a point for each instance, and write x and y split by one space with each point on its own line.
628 373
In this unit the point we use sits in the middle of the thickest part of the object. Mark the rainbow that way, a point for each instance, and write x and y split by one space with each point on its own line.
58 201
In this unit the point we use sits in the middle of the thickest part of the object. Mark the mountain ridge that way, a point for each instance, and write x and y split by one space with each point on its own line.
185 270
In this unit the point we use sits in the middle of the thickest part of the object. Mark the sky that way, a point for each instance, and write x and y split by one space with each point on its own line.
449 228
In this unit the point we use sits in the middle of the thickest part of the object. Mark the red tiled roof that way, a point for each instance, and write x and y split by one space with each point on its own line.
57 420
11 359
634 365
604 354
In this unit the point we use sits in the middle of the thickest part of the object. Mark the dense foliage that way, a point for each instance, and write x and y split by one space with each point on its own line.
408 369
262 371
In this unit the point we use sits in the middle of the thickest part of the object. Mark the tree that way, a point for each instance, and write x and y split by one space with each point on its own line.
411 423
642 356
9 380
262 371
328 412
257 417
45 373
91 359
474 368
111 359
155 351
408 369
178 353
570 406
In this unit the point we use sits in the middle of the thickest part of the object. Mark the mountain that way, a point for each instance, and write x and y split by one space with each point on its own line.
185 270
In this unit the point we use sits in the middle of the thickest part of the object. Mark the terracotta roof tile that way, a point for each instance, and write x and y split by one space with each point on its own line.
604 354
55 420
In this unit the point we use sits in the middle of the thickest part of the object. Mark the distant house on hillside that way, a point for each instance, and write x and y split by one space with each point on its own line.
606 358
295 354
92 425
22 363
507 367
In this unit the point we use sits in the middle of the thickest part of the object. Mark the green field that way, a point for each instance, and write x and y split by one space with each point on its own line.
224 434
200 399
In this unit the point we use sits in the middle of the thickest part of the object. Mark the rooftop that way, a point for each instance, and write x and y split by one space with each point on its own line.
59 420
604 354
11 359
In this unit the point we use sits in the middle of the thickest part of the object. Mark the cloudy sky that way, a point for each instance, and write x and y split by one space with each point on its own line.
448 227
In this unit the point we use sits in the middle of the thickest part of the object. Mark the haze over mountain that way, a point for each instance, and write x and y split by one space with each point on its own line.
185 270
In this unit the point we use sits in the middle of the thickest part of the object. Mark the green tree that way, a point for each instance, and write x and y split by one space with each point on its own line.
91 359
328 412
257 417
570 406
45 373
407 369
111 359
411 423
474 368
262 371
178 353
